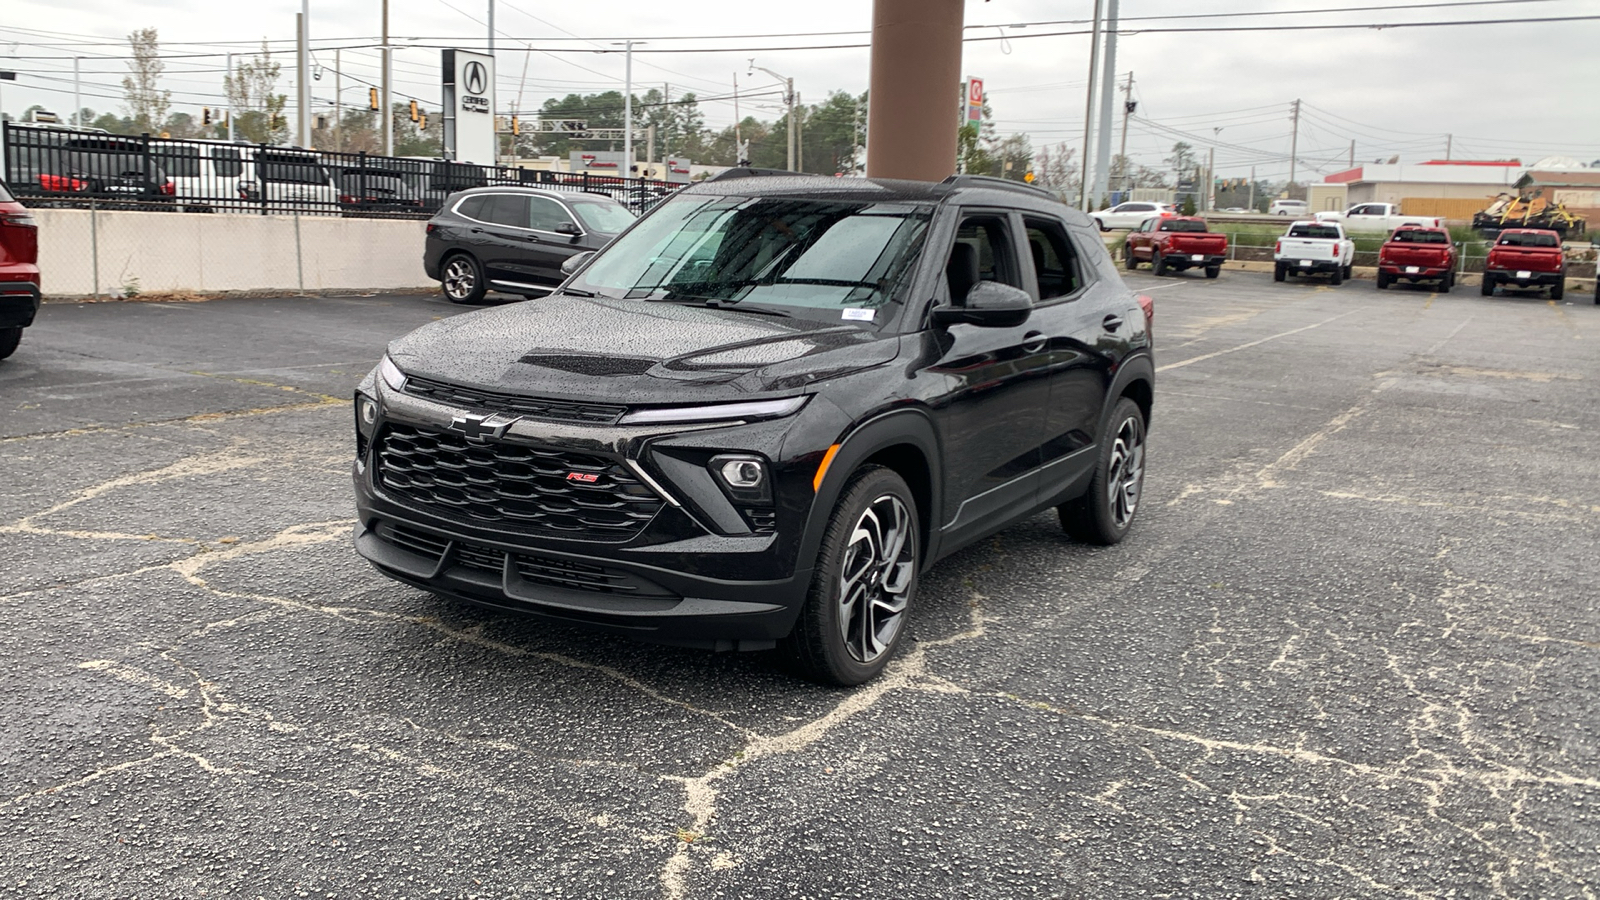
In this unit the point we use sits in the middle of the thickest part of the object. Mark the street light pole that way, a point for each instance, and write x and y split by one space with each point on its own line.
386 114
232 88
627 105
788 103
1088 109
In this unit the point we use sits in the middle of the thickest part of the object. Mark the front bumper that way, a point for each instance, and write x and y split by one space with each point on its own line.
692 575
19 303
1508 278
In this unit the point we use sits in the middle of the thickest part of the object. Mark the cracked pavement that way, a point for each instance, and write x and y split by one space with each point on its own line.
1350 648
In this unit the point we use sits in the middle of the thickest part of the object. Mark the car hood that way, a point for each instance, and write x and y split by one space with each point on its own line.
634 352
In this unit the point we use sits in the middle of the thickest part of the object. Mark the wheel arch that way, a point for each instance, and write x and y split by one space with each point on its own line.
902 441
1135 379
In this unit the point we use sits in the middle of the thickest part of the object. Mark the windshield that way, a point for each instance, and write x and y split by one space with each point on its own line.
1313 231
1421 237
606 218
800 254
291 169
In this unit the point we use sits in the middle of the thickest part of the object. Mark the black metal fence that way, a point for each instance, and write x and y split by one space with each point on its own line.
66 167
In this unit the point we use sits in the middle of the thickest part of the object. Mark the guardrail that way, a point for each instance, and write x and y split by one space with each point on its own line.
83 168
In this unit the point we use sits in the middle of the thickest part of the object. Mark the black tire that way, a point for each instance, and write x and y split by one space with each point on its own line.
1158 266
1278 272
9 339
1559 289
1349 272
854 651
1213 271
1487 287
1383 280
1337 278
1597 290
1447 282
461 279
1100 223
1127 258
1105 512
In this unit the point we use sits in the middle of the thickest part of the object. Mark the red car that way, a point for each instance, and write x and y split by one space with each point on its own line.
1176 244
19 271
1416 253
1526 258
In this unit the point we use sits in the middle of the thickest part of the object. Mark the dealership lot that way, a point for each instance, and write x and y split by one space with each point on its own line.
1349 650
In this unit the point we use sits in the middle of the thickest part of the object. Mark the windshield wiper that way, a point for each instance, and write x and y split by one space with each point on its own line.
740 307
574 292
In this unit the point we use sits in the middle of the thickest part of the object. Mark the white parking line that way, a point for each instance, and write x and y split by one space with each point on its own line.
1205 356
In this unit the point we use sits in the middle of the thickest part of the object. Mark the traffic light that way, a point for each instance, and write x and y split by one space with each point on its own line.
205 115
322 122
372 99
515 127
415 114
422 122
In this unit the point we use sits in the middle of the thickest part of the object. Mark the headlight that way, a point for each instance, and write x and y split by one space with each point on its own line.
391 374
759 409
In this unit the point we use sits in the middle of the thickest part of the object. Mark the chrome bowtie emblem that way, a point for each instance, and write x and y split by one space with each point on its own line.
482 428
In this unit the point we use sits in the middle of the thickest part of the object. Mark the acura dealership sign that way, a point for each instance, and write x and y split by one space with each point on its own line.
469 107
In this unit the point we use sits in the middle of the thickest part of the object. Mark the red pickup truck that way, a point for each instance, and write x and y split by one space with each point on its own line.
1176 244
1416 253
1526 258
19 271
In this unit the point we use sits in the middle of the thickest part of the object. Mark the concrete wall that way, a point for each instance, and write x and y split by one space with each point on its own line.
212 252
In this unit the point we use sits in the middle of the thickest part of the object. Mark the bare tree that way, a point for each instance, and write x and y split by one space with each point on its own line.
147 104
1053 168
258 111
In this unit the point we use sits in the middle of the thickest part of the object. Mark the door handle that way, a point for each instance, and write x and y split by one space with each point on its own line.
1111 322
1034 341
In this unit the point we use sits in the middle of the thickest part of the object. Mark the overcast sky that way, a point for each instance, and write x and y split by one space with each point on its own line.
1523 90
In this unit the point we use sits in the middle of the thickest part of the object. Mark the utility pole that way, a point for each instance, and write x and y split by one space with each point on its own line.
386 114
1352 153
1252 188
1211 178
1127 110
788 102
338 109
1108 90
77 95
1294 141
1449 141
799 137
302 79
491 34
231 87
627 109
1088 109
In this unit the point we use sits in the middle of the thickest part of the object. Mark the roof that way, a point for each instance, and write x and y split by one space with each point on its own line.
1435 172
1566 178
768 182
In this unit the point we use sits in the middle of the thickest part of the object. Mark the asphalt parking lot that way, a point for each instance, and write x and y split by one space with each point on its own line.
1350 649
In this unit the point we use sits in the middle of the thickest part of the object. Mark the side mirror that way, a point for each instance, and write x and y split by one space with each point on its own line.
575 262
568 228
989 304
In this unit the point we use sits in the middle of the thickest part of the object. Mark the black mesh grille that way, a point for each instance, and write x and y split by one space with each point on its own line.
561 573
475 398
521 487
481 558
762 521
572 575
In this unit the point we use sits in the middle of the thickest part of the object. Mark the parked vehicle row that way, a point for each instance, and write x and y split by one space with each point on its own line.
1176 244
1415 254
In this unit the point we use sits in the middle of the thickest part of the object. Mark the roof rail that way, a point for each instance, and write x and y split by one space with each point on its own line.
989 181
748 172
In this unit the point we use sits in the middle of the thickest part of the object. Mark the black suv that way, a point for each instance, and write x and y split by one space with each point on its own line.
515 239
761 412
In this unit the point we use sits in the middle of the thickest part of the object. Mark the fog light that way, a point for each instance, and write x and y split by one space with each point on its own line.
369 412
744 474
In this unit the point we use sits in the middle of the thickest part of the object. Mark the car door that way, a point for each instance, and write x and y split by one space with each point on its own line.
556 237
989 386
1138 240
501 238
1080 313
1127 215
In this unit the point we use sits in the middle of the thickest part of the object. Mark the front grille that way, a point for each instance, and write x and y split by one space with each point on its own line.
494 401
513 485
762 521
574 576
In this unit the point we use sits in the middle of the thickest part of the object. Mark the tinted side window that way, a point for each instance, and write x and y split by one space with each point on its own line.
1054 261
988 256
472 207
507 209
545 214
180 162
226 162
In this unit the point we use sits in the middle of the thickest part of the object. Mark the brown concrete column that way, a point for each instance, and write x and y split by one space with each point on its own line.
914 104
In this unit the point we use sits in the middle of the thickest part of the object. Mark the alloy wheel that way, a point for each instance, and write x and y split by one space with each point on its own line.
1125 474
459 279
880 563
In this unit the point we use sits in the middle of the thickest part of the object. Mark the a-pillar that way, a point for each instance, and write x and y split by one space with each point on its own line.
915 98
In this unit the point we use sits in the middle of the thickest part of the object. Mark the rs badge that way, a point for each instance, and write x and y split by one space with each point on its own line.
585 477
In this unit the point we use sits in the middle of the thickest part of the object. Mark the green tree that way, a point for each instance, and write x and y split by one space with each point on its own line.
257 109
1013 157
147 103
831 132
603 110
1182 158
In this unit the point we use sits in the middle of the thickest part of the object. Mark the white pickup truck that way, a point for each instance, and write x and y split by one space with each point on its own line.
1314 248
1384 217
